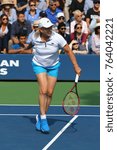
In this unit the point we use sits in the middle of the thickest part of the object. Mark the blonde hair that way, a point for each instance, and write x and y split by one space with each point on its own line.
77 12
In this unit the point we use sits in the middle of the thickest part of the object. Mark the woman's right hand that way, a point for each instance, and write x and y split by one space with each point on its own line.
77 70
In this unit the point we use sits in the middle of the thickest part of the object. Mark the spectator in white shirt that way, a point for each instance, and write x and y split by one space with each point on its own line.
78 19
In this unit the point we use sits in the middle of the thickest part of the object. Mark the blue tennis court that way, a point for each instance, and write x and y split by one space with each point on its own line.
80 132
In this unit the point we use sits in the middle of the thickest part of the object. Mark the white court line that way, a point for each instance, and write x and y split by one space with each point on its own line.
38 105
57 115
60 132
61 115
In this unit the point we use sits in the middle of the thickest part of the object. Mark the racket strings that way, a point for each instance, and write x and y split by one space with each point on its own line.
71 103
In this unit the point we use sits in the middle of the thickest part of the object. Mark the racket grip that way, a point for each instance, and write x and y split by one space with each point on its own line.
76 79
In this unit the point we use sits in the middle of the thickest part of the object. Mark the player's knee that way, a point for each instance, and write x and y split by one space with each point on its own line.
50 93
43 91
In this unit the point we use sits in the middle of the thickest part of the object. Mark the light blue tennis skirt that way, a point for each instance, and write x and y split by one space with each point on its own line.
51 71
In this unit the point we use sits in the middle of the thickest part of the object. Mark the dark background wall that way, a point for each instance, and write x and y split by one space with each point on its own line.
90 65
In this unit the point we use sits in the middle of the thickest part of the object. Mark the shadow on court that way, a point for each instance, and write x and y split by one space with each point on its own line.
18 130
51 121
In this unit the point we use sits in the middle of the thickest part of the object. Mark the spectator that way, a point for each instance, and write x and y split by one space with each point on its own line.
52 11
20 26
42 14
5 32
95 44
66 9
93 15
78 19
33 13
60 4
60 18
41 5
31 36
76 5
62 31
75 48
80 37
21 47
7 8
88 4
21 5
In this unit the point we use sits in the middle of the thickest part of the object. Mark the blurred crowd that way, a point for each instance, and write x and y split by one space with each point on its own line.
78 21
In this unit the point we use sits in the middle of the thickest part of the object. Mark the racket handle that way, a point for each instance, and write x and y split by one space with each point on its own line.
76 79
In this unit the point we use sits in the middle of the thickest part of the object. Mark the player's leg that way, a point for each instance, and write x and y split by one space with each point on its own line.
51 82
41 74
42 81
52 75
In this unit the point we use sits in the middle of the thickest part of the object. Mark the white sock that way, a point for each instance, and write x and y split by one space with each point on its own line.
43 116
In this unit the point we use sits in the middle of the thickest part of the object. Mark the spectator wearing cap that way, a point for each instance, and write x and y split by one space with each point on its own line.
33 13
20 26
75 48
31 37
42 14
52 11
61 18
7 8
93 15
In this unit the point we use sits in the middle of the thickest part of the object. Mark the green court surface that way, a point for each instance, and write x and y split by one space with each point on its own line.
27 92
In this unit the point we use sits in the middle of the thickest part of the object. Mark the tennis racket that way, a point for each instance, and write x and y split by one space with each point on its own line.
71 101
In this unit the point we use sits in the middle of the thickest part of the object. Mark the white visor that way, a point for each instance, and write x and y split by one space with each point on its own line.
45 22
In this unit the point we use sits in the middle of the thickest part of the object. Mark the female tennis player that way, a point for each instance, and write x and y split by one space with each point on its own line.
45 64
